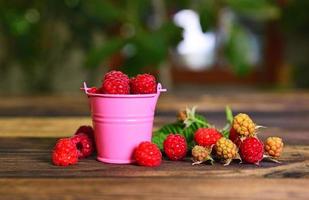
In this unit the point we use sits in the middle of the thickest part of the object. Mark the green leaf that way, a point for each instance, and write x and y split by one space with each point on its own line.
97 55
229 115
229 120
238 50
192 117
158 139
226 131
102 11
259 10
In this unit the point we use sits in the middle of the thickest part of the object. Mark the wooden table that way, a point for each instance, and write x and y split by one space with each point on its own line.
31 125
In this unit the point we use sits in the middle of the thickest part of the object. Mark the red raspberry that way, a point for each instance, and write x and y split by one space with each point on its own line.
143 84
235 137
148 154
175 146
115 86
116 75
92 90
207 137
64 153
84 145
251 150
88 130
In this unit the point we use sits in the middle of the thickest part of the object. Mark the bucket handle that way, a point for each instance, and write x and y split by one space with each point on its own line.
160 89
85 88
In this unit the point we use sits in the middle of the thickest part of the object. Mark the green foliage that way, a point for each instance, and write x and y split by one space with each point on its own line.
295 17
39 35
238 50
229 120
96 55
188 131
259 10
179 128
208 11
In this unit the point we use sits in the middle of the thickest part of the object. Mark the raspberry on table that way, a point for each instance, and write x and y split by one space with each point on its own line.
88 130
175 146
115 86
200 154
235 137
252 150
244 125
207 137
226 150
64 153
84 145
274 146
148 154
143 84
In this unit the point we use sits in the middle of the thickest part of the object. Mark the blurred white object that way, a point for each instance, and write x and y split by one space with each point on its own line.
197 48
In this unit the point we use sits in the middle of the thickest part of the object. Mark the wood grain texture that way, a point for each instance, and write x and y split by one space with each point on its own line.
154 188
30 158
208 100
292 128
27 138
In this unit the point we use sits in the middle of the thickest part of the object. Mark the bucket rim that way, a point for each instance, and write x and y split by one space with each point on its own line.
159 90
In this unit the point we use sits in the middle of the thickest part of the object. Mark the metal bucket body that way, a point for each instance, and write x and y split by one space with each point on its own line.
121 123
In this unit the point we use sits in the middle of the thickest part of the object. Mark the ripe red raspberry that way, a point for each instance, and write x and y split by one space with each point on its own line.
84 145
64 153
92 90
148 154
116 75
88 130
143 84
251 150
115 86
235 137
175 146
207 137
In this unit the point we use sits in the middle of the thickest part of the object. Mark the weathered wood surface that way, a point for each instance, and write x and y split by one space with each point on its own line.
214 101
26 141
30 158
154 188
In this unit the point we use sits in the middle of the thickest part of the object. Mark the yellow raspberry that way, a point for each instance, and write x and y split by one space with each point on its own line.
273 146
226 150
200 153
244 125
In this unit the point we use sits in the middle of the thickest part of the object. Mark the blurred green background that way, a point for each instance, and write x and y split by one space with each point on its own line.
51 46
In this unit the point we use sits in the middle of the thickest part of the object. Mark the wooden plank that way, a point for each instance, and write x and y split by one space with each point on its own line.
206 98
41 126
293 129
154 188
32 159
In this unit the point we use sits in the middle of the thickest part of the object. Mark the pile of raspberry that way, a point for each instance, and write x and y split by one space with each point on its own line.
68 151
242 144
210 145
116 82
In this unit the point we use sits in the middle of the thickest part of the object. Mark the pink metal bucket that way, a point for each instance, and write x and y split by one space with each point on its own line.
121 123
